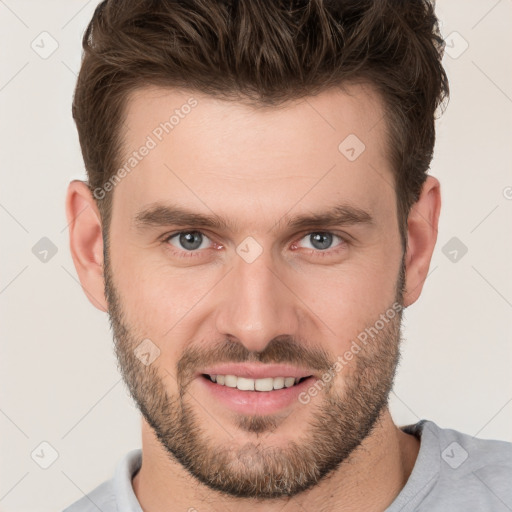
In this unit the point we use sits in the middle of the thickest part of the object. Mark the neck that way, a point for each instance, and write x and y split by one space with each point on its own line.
370 480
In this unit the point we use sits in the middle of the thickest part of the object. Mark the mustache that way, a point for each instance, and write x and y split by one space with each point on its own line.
281 349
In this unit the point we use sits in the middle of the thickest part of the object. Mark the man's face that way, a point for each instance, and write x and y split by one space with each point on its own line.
257 290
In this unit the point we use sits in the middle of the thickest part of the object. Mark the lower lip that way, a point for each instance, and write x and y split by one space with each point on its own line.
256 402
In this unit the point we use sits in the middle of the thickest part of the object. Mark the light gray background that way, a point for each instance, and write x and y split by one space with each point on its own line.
58 376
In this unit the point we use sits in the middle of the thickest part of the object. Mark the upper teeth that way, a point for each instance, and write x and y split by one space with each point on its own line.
244 384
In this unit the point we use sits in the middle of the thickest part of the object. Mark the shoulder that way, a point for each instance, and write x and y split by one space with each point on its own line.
474 472
101 498
469 454
114 494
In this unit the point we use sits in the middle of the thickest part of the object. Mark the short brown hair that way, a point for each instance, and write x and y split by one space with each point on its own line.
266 53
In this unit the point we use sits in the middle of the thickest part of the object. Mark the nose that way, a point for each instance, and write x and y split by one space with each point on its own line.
256 303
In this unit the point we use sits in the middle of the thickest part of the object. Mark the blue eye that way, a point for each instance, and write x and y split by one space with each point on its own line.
188 240
190 244
321 240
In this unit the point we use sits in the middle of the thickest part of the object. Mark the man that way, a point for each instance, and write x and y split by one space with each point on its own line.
257 216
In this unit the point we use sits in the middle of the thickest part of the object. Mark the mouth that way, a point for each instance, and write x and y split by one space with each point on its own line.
265 385
260 396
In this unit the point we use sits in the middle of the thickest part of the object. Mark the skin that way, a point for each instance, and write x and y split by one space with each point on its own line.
257 166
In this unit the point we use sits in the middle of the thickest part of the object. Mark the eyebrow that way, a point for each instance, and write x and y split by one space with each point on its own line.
158 215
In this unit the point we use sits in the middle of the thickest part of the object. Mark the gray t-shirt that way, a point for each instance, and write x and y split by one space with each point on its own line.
453 472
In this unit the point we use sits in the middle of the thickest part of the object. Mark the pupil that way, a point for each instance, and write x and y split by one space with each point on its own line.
190 240
321 240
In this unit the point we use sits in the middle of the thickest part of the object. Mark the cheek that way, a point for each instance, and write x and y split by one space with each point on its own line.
165 304
158 308
153 294
350 298
161 301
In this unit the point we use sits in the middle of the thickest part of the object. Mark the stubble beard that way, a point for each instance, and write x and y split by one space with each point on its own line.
256 469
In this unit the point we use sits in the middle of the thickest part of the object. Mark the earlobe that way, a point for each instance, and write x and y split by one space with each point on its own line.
422 226
86 241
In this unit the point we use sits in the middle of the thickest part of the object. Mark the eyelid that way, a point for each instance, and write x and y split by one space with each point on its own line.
345 239
332 231
204 239
172 234
165 238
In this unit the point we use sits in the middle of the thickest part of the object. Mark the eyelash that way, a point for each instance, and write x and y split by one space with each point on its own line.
197 252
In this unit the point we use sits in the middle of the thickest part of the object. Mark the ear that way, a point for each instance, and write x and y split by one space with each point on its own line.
86 241
422 227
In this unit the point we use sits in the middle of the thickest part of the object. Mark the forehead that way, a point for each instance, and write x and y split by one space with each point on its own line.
203 151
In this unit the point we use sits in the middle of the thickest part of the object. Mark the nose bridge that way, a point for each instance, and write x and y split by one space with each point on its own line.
256 306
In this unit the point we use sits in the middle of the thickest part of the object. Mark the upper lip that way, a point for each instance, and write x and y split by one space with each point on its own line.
257 371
